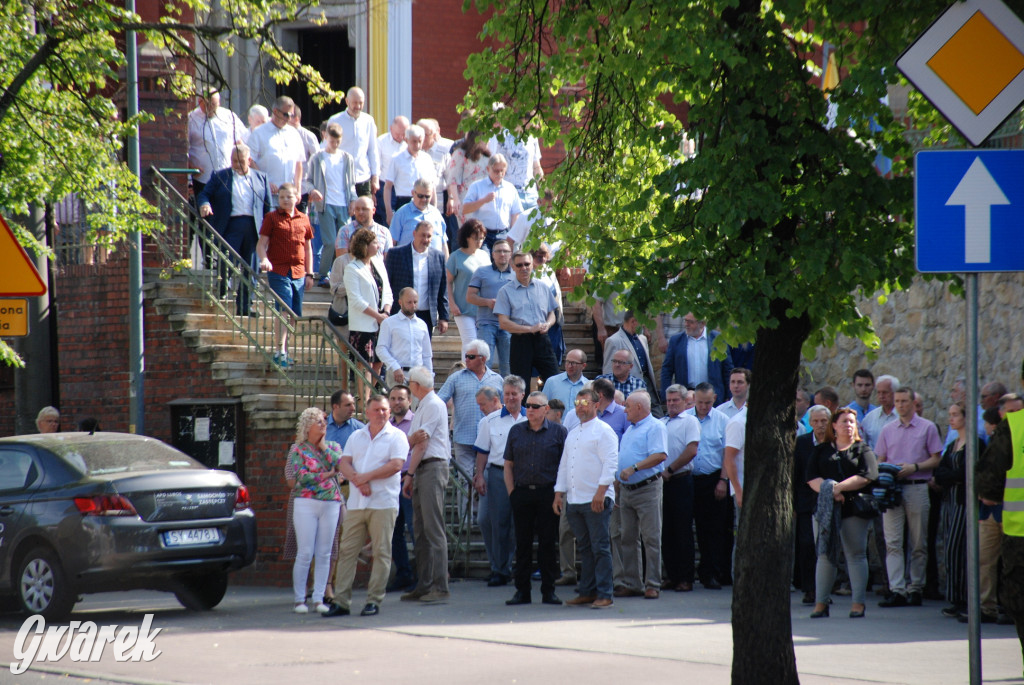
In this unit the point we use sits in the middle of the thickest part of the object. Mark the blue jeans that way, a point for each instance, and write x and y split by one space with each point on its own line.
332 218
593 548
499 341
496 522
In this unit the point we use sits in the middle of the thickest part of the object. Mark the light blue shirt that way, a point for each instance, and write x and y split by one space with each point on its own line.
697 359
712 441
561 388
341 432
496 215
640 441
461 387
861 413
409 216
526 305
488 281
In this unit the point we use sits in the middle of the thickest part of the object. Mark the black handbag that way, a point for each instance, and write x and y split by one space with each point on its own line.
337 318
864 505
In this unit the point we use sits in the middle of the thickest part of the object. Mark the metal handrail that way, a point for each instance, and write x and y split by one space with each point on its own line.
459 498
324 359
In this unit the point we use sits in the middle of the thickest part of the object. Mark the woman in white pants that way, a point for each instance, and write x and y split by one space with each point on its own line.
470 256
317 505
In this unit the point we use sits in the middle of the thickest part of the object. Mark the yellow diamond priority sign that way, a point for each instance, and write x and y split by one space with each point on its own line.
970 65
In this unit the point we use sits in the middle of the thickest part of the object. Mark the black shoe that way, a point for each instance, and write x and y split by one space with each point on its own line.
498 580
915 599
551 598
370 609
951 611
857 614
894 600
1004 619
808 598
336 610
712 584
823 613
985 618
519 598
401 584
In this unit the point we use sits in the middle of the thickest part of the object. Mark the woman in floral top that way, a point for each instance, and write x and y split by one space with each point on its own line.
468 165
317 504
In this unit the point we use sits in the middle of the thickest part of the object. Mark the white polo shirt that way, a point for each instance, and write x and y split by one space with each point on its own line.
369 453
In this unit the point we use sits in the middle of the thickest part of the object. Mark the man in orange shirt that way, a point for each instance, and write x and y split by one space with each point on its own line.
285 252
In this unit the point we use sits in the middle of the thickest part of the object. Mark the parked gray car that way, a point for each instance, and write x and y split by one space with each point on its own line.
83 513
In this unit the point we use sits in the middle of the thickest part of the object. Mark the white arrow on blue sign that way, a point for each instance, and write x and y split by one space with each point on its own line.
969 210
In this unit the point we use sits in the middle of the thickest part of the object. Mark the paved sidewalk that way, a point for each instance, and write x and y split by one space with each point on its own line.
253 637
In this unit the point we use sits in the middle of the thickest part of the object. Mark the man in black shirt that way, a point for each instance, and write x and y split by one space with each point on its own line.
532 452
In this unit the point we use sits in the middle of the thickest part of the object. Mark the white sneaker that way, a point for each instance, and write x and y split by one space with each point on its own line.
301 609
322 608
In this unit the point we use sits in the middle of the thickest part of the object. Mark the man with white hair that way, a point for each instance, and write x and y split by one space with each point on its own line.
48 420
677 506
461 389
879 417
404 169
523 157
359 139
493 201
425 482
642 453
411 214
806 499
257 116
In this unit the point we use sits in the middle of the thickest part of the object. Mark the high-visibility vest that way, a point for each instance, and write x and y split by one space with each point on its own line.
1013 495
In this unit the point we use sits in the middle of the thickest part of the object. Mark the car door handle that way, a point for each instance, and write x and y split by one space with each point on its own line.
6 511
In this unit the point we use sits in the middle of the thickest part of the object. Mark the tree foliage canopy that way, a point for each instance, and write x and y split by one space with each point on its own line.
59 127
776 204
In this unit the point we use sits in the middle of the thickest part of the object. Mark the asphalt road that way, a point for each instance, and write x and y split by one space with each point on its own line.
253 637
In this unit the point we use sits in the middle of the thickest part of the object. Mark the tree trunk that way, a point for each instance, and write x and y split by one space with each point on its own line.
761 627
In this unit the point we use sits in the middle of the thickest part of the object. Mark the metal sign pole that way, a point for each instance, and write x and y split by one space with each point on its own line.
973 594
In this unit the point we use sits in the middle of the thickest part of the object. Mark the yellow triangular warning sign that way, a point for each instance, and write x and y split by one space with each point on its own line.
18 276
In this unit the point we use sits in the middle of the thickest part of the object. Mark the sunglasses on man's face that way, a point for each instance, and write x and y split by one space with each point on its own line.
421 196
471 357
531 405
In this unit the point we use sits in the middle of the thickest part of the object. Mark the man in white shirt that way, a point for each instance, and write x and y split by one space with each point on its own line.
277 148
403 340
739 387
371 461
389 144
677 503
212 133
732 457
495 516
359 139
426 480
585 475
404 169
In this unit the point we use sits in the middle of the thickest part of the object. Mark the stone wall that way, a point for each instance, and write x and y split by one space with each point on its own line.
923 334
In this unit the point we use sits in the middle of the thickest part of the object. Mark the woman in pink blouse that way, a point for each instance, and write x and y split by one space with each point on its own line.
468 165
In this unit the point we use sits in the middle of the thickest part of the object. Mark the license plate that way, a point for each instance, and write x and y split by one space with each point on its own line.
191 536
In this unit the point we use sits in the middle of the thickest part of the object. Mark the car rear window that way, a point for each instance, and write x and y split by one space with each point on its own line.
102 456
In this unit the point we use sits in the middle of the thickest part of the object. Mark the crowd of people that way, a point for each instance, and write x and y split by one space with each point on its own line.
292 205
425 232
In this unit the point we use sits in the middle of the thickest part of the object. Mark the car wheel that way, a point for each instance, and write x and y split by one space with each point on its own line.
202 593
43 587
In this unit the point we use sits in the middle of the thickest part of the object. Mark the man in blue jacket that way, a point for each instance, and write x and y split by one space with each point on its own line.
688 359
235 200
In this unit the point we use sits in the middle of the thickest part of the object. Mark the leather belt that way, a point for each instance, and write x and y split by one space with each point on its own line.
431 460
645 481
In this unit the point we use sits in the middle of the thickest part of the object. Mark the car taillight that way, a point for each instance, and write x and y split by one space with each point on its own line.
242 500
105 505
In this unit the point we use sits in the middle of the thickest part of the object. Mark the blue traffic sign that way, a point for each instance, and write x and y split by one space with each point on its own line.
969 210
